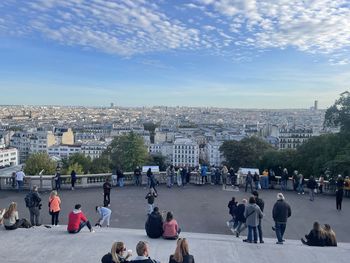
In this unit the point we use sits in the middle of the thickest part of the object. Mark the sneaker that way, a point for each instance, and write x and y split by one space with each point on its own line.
273 228
262 242
247 241
92 231
279 243
303 241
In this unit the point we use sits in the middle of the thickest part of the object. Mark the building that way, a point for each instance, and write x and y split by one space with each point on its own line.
164 149
185 153
292 138
213 154
8 157
64 136
93 149
63 151
40 141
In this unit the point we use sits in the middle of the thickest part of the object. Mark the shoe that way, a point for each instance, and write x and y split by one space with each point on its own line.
283 240
262 242
256 242
303 241
247 241
92 231
273 228
279 243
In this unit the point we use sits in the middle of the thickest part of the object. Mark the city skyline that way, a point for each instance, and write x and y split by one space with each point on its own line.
198 53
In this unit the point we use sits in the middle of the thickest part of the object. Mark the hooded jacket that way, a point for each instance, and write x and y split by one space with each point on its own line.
74 219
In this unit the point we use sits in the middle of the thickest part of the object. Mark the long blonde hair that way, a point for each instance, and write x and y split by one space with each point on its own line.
181 250
328 232
12 208
117 247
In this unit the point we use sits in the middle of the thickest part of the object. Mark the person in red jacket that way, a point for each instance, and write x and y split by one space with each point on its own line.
77 220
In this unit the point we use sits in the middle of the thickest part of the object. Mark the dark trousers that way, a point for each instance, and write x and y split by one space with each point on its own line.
183 179
260 233
251 186
339 201
339 198
81 226
54 218
34 216
106 199
204 178
58 184
73 183
280 229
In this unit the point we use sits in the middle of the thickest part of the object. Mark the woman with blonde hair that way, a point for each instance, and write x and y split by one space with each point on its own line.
11 219
181 254
330 238
54 207
116 254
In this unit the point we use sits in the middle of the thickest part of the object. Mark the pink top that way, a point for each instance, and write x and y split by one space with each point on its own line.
170 228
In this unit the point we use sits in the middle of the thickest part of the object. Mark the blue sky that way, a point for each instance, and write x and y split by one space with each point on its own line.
222 53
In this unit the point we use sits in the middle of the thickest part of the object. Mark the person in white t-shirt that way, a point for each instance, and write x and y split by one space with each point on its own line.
19 179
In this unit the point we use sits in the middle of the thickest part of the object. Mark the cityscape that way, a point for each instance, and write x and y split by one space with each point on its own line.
61 131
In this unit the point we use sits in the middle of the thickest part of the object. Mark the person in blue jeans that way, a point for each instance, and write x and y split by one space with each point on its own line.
248 181
252 214
280 213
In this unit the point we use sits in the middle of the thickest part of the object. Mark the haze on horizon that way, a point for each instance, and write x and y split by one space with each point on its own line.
203 53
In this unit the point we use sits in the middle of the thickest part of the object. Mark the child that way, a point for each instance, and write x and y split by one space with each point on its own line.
150 200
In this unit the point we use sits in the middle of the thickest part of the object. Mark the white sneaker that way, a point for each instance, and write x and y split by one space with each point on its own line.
92 231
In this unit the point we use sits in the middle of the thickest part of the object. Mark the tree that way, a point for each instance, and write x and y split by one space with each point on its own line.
76 167
127 151
159 160
339 113
283 158
101 165
245 153
38 162
80 159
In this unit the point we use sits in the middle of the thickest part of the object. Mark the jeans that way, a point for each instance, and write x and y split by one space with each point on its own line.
178 179
246 186
19 185
183 179
81 226
265 182
252 232
280 229
106 218
58 184
300 188
54 218
121 182
204 177
283 185
257 185
137 180
34 216
240 227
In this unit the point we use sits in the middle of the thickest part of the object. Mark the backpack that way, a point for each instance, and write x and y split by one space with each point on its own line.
29 200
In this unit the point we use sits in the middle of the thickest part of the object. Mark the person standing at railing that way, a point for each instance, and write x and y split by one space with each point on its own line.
73 178
284 179
265 179
137 176
57 179
170 171
339 192
248 181
20 179
120 176
204 170
312 185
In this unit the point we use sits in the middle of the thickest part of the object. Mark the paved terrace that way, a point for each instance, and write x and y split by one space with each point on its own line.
56 245
198 209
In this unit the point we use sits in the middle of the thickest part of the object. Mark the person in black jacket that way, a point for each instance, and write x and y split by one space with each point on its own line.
33 202
117 254
138 176
261 205
312 185
339 192
232 205
142 250
107 193
280 213
240 218
316 237
154 224
181 254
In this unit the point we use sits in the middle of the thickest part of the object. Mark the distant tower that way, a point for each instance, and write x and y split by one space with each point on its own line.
316 105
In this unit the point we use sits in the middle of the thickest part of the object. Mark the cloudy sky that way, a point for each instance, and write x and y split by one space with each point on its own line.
224 53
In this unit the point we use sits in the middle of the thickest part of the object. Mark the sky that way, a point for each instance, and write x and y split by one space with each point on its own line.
212 53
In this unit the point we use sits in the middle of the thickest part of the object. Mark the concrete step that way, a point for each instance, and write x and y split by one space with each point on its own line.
40 244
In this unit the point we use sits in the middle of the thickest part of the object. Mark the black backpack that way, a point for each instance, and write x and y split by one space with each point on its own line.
29 200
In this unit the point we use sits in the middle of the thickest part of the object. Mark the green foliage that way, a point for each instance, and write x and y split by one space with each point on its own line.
127 151
339 113
101 165
158 160
38 162
245 153
78 168
274 158
324 152
77 158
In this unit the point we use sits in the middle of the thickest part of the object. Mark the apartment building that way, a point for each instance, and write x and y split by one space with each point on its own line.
185 152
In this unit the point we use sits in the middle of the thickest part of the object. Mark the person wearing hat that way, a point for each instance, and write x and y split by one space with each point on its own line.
280 213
